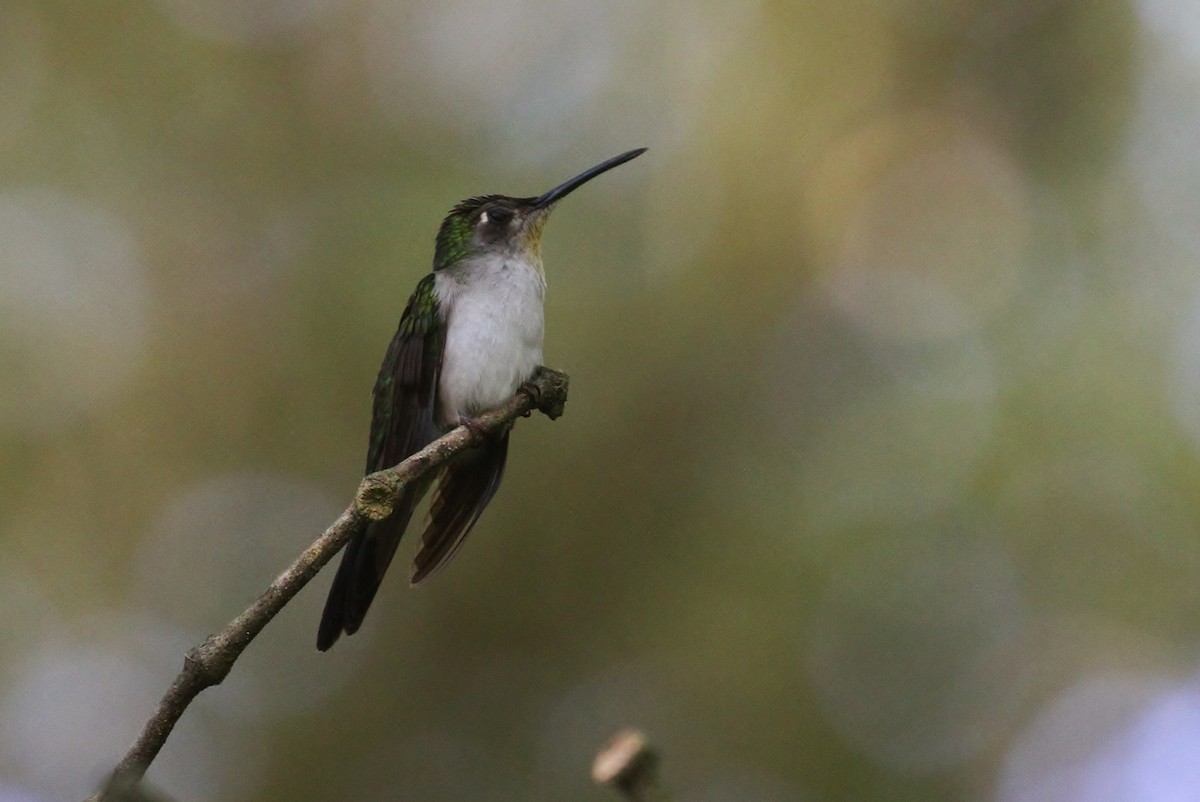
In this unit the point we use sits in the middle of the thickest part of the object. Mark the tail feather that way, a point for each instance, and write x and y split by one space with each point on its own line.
467 486
361 571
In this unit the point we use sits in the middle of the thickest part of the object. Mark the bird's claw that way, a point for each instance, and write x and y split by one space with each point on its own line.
533 393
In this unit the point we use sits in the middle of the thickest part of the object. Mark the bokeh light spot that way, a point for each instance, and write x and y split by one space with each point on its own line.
223 541
917 649
73 310
1162 149
77 700
468 63
1176 22
934 228
1114 738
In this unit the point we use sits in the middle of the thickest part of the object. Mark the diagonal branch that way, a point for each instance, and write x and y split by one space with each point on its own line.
209 663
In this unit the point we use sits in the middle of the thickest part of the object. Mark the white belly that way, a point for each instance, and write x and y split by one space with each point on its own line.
494 326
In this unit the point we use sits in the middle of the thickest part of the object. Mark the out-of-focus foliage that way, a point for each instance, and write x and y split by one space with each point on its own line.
879 476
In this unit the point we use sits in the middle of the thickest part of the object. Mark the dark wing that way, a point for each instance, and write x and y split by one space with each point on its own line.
402 423
406 388
468 484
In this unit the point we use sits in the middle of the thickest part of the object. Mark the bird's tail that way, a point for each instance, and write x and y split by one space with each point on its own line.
363 565
467 486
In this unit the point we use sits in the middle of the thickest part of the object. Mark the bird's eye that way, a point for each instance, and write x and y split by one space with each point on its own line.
497 217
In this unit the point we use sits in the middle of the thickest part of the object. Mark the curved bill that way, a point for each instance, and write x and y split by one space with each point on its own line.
567 187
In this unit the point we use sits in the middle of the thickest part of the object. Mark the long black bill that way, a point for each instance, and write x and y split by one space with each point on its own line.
567 187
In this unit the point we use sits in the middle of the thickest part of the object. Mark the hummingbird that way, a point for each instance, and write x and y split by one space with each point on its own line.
469 338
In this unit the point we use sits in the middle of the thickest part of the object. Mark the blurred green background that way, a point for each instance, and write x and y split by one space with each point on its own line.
879 475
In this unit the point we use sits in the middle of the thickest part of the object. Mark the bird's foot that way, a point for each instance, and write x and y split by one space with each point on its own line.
533 392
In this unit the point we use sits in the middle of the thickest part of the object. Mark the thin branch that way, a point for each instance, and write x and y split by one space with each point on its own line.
209 663
630 765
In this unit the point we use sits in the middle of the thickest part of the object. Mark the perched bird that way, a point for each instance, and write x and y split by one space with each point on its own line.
470 336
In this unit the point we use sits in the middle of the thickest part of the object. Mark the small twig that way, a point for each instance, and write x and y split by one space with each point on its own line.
630 765
209 663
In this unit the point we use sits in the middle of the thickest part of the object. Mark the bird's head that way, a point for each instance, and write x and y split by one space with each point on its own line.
504 225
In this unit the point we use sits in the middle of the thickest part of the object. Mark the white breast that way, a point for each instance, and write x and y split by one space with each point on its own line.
494 326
